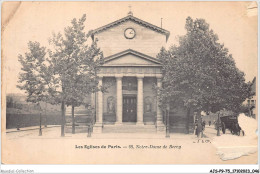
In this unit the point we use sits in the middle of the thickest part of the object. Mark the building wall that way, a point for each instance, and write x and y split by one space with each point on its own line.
149 114
146 41
251 102
149 94
109 115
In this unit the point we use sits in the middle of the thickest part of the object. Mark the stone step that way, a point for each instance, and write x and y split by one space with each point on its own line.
180 129
78 129
125 128
116 129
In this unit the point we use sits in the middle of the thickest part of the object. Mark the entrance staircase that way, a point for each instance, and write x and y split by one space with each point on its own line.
128 128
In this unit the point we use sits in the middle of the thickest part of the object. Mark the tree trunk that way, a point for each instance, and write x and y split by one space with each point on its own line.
188 121
199 114
40 130
218 123
249 110
73 119
63 118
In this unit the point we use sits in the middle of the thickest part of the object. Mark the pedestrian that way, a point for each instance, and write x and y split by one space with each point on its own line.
209 122
199 128
203 125
195 126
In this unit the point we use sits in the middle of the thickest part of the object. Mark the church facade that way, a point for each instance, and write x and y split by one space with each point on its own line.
130 73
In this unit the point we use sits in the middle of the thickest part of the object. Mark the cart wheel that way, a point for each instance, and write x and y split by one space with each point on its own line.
231 130
223 128
243 133
238 133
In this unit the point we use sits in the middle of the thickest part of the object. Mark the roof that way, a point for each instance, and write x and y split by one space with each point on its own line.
254 85
134 19
133 52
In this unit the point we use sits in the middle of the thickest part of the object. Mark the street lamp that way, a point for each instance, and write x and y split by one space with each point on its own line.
40 130
18 120
40 110
167 121
45 115
218 122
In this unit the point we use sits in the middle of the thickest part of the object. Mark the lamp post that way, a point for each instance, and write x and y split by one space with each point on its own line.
45 115
40 130
40 110
18 120
167 121
218 122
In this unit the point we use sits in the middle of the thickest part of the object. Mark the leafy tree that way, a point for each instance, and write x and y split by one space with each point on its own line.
200 74
68 75
73 67
32 77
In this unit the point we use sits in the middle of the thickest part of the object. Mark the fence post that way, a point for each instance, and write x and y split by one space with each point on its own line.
40 130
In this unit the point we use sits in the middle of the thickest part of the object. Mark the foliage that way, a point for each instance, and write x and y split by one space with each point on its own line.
200 73
74 64
32 77
68 75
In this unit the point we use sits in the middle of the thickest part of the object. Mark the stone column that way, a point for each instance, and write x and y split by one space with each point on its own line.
159 116
140 112
99 115
119 102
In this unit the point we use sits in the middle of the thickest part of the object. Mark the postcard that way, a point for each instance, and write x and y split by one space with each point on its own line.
129 82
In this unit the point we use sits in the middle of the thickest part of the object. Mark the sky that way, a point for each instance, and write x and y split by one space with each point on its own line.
234 22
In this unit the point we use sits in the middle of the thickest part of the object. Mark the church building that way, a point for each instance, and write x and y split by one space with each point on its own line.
130 72
130 46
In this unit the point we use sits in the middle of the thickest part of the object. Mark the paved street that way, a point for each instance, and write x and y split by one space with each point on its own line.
186 148
53 131
211 132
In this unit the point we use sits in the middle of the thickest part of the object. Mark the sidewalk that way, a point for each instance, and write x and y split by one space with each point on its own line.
30 128
53 131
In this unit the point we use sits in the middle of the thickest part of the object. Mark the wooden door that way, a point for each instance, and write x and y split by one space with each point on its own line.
129 109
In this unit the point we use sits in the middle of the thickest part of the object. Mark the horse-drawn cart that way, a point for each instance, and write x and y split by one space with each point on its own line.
231 122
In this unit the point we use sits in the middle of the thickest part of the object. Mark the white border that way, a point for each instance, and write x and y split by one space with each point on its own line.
127 168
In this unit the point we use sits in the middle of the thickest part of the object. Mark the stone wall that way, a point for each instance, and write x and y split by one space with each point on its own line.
109 99
149 100
146 41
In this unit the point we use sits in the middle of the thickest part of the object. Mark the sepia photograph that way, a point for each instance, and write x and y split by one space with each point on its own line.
129 83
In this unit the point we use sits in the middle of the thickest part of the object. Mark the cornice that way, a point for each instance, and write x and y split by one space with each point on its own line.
134 19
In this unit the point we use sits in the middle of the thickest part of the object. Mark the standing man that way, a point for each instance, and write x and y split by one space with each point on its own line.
199 128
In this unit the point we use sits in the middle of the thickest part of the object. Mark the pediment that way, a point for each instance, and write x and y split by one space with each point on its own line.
131 58
135 20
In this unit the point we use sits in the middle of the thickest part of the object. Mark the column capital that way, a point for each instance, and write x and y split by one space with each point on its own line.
118 76
139 76
158 76
100 76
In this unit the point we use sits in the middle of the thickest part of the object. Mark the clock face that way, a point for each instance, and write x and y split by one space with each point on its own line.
129 33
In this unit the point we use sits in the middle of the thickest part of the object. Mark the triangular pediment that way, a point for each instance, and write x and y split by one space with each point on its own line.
135 20
131 58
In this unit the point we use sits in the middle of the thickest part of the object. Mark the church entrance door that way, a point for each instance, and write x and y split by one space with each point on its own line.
129 108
